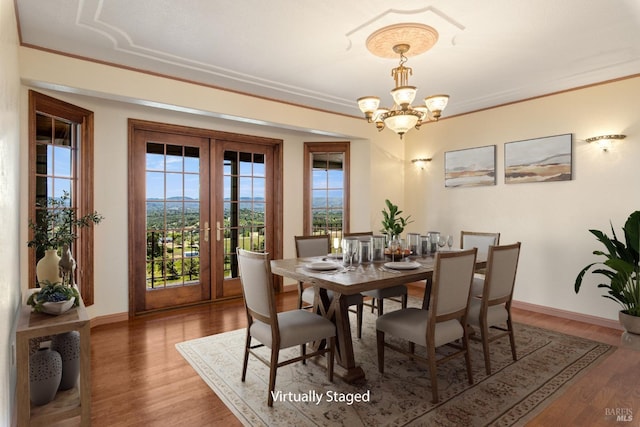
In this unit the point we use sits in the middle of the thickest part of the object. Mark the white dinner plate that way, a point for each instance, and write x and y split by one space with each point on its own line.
402 265
334 256
322 266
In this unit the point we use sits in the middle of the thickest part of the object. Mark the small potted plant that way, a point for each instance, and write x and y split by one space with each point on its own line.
621 270
392 223
54 298
55 227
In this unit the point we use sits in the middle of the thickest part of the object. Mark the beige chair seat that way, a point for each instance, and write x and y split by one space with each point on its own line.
296 326
395 323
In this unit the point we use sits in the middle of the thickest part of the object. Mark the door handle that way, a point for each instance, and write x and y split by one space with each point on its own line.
218 230
206 231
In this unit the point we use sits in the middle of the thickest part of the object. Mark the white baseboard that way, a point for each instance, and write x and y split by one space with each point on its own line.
564 314
109 318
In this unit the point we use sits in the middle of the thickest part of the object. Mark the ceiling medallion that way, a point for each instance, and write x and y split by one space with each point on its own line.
404 40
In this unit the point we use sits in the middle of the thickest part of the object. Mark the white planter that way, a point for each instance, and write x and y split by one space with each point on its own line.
630 323
47 268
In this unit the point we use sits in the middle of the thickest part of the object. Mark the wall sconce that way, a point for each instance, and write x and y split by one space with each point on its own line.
420 163
604 141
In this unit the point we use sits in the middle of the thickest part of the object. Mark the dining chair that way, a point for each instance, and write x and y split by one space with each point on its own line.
396 293
309 246
275 330
443 323
320 245
492 308
480 240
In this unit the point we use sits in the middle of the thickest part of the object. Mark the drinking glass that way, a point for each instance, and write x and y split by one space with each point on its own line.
442 241
403 245
393 247
449 241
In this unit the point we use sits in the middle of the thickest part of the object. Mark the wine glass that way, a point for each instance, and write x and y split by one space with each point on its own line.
393 247
442 240
450 241
350 249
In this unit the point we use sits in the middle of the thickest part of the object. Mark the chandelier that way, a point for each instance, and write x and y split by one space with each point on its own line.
402 116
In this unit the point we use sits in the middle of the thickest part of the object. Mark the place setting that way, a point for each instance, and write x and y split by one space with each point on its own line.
325 267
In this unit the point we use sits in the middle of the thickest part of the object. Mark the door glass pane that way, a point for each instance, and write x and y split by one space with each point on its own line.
172 216
244 206
56 151
327 193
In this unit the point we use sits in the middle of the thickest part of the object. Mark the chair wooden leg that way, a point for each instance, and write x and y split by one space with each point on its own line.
373 304
433 373
484 333
380 345
467 357
512 339
272 374
330 357
303 352
359 310
380 307
300 289
247 345
405 299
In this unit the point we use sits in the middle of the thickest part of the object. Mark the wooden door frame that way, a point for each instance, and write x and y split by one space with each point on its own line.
136 125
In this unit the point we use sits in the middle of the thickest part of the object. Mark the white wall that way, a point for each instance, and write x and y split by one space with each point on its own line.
110 115
10 276
550 219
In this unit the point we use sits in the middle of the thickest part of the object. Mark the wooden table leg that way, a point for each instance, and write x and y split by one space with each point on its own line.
339 313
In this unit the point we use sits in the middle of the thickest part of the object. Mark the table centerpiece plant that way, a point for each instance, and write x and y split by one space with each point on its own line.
393 225
621 269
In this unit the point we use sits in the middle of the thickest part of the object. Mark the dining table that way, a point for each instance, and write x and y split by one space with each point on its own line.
343 280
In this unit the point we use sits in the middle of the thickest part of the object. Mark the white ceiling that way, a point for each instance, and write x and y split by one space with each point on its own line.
313 53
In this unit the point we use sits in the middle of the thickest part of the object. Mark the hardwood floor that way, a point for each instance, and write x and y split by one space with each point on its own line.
139 378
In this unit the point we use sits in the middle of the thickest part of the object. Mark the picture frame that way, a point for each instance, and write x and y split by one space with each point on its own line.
543 159
471 167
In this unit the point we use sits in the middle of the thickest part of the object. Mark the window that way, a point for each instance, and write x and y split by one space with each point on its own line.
326 188
61 161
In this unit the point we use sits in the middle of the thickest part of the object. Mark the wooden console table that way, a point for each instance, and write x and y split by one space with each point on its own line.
68 403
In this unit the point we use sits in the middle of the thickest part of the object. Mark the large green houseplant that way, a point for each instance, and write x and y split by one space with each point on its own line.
621 269
392 223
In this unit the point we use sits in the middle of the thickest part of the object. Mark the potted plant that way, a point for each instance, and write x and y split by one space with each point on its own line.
392 223
55 227
54 298
621 269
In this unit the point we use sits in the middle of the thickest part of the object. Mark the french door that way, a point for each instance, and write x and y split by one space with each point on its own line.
194 198
245 217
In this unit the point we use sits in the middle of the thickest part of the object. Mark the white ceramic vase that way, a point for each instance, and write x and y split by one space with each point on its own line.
47 268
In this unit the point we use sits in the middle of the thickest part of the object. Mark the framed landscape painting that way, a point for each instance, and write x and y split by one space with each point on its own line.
471 167
538 160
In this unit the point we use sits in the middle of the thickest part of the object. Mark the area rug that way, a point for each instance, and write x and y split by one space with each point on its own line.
547 362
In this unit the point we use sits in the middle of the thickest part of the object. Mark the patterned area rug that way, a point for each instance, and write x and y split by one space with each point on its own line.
515 392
